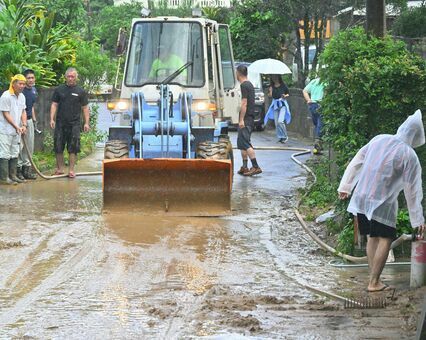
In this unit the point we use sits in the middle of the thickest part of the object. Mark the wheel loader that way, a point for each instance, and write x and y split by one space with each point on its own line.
169 151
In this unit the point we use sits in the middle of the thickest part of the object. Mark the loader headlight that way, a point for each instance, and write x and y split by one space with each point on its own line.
203 106
120 105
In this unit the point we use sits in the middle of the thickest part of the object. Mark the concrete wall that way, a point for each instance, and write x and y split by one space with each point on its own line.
42 109
301 122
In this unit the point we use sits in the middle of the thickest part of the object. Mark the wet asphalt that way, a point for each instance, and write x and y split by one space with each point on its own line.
71 271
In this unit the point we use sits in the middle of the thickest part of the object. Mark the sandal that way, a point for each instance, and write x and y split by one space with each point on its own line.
385 288
58 172
71 174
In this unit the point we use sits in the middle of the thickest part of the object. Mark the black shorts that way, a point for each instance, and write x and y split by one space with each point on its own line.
374 228
68 135
243 140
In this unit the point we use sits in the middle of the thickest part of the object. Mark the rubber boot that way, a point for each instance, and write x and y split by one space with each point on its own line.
4 173
13 167
28 174
19 174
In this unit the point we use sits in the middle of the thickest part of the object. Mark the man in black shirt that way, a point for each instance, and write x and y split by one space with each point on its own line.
30 93
246 124
65 117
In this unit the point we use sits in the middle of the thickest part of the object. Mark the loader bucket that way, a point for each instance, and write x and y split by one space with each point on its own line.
182 187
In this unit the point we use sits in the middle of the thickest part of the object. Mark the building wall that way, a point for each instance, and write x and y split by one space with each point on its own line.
301 121
177 3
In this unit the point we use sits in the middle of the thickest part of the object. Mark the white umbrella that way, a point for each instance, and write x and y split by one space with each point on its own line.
269 66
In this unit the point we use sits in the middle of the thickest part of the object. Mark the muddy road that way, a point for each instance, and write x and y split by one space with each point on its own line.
68 271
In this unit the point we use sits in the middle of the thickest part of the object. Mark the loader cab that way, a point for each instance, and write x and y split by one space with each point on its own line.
159 46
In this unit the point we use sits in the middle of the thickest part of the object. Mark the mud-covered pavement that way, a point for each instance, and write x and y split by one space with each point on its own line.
69 271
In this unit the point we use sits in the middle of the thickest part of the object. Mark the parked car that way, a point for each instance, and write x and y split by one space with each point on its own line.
259 96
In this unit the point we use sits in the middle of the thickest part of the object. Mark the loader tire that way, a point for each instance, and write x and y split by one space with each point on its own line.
216 150
115 149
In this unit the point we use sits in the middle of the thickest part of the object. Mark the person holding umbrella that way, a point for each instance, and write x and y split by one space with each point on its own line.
279 110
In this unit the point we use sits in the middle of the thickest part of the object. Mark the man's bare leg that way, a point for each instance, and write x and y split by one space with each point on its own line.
255 169
244 167
60 162
244 154
372 243
378 262
251 154
73 158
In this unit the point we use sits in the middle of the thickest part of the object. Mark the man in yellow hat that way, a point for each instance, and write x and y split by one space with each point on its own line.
13 123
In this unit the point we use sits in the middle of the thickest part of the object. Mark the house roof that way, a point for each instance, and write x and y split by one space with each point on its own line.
390 9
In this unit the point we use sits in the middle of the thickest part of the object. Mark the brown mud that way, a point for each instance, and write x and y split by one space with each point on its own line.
76 272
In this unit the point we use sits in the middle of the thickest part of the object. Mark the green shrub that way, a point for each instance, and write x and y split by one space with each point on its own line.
411 23
345 241
45 160
254 25
94 67
372 86
323 192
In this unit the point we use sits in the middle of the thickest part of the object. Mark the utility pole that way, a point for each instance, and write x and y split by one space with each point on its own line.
376 17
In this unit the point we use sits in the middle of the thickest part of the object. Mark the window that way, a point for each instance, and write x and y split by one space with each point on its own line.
228 71
159 49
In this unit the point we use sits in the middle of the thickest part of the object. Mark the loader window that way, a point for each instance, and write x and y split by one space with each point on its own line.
158 49
227 60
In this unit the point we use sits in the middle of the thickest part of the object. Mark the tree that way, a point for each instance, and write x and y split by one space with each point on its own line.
94 67
71 13
256 31
376 17
14 16
29 40
108 21
310 17
220 14
373 84
97 5
411 23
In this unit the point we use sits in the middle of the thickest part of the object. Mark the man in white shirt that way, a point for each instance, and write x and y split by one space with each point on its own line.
376 175
13 122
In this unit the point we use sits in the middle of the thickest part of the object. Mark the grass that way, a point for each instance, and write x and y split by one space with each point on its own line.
45 160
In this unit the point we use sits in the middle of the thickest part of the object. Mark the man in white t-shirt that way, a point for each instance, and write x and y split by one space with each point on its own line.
13 123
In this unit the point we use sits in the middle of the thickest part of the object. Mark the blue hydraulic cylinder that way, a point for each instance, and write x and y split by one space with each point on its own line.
160 130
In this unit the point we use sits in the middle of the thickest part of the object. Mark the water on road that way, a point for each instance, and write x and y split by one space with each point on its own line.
70 271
